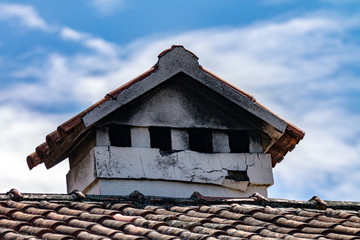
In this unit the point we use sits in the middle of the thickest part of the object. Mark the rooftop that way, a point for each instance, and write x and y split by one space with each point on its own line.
79 216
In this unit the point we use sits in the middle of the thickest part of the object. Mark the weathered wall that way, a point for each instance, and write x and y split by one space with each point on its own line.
167 188
178 105
185 166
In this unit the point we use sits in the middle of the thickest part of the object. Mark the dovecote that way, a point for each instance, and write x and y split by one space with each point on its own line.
174 130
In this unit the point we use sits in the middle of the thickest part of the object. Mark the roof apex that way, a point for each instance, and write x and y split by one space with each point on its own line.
177 58
174 47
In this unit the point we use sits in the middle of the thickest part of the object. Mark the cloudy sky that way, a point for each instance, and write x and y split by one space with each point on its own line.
300 58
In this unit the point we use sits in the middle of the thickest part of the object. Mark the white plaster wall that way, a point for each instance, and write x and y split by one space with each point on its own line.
102 136
179 139
95 188
255 143
188 166
260 170
220 142
171 189
192 169
176 105
140 137
82 174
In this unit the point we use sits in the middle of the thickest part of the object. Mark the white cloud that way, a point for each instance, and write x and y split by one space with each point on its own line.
26 14
107 6
97 44
294 67
20 129
71 34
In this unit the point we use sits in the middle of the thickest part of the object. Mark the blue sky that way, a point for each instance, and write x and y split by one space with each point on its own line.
299 58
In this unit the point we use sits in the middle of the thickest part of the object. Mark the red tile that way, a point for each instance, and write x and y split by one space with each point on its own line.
68 211
67 230
94 217
196 214
53 236
115 224
290 223
26 217
135 212
148 223
183 225
35 231
239 233
80 224
171 230
123 218
60 217
101 230
12 224
134 230
46 223
193 219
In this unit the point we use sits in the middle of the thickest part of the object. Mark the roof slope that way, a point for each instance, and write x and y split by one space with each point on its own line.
75 216
59 142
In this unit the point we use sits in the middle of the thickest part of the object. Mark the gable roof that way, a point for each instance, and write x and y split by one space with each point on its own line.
78 216
171 61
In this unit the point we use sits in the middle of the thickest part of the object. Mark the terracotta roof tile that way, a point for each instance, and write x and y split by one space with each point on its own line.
196 214
37 211
149 223
80 223
121 236
36 231
135 212
225 221
88 236
159 217
115 224
247 228
20 216
58 218
193 219
12 224
240 233
53 236
46 223
15 236
134 230
289 223
101 230
123 218
67 230
68 211
171 230
94 217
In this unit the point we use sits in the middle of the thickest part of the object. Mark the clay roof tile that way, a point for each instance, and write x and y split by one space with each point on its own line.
276 219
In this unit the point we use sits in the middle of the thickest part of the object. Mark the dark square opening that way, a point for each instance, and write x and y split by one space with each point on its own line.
119 135
237 175
239 142
200 140
160 137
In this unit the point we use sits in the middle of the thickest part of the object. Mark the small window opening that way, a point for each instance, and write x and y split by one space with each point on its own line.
237 175
239 142
160 137
119 135
200 140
